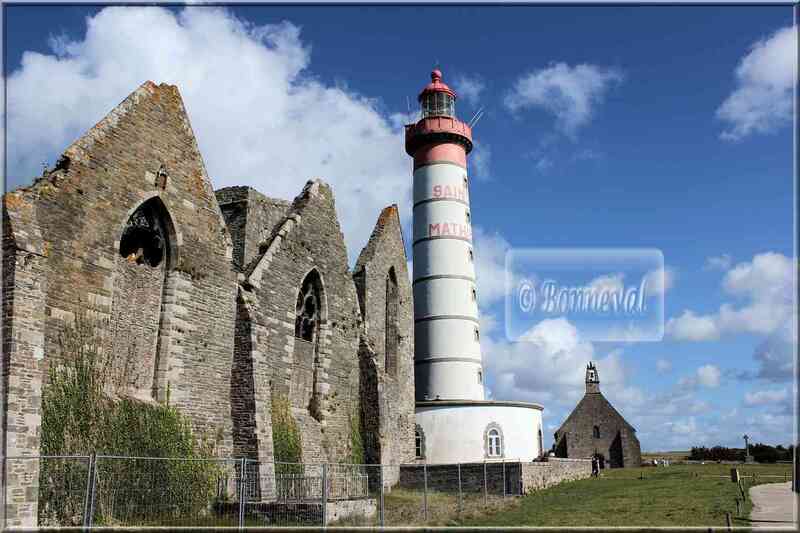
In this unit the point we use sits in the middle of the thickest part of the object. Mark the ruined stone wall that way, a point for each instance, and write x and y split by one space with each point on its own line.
251 218
388 404
310 238
24 269
144 150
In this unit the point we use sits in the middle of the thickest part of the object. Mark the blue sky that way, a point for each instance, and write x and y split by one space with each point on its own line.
663 127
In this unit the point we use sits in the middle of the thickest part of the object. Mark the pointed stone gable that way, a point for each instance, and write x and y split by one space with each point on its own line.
124 231
386 302
225 300
596 427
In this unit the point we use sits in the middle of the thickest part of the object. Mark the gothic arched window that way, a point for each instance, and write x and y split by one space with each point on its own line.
144 239
307 310
596 432
391 330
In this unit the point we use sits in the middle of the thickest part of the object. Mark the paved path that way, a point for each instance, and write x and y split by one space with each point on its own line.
774 506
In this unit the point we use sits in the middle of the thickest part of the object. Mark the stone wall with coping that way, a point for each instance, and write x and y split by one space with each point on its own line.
538 475
519 477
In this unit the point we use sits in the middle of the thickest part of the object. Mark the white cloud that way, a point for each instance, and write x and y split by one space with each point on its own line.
609 283
663 366
490 265
687 426
766 397
469 88
721 262
261 116
659 281
571 94
708 376
549 365
777 354
691 327
766 284
481 159
765 77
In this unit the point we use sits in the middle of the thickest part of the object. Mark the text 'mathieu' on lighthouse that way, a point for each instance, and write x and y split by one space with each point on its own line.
454 421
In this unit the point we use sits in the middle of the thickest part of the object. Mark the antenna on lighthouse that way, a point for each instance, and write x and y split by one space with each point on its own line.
476 117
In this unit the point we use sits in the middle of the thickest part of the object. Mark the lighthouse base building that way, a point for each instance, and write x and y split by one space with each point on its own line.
459 431
454 422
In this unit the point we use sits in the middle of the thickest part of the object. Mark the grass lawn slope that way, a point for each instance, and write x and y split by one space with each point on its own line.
678 495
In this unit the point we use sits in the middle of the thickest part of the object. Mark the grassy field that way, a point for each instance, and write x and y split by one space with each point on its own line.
670 456
678 495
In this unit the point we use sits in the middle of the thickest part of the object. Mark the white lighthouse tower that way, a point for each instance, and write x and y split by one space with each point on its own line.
454 421
447 350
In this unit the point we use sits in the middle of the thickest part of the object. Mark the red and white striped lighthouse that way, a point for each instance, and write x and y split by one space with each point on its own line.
447 350
454 423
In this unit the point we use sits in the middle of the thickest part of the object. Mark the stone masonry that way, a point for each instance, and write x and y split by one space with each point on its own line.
387 356
221 300
595 428
520 478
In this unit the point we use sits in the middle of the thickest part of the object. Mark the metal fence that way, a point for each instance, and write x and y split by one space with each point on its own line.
114 491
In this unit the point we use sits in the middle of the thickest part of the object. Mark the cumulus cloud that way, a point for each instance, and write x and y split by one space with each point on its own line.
691 327
490 265
765 77
766 397
661 280
608 283
469 88
705 376
570 93
261 116
708 376
776 355
549 366
766 284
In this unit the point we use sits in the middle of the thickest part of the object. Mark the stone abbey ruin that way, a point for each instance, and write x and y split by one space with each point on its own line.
227 299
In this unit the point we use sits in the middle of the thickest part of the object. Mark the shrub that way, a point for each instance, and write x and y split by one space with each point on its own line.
286 441
84 410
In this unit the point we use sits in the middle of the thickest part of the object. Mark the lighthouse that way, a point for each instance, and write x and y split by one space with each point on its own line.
447 350
454 421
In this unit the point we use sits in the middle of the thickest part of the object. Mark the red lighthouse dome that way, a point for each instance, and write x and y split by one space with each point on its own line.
438 123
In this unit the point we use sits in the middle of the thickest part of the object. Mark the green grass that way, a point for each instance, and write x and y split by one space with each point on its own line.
678 495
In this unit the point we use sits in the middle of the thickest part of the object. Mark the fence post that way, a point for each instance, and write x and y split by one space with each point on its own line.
324 495
504 478
3 482
425 493
92 492
460 501
380 478
242 477
485 486
87 498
